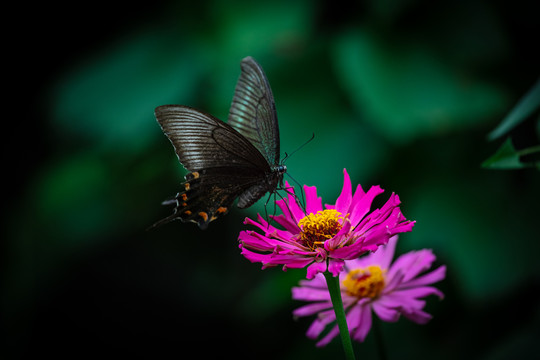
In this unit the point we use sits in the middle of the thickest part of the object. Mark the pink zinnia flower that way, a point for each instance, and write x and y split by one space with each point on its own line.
372 283
323 238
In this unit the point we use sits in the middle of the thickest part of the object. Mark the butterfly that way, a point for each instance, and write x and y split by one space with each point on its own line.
238 159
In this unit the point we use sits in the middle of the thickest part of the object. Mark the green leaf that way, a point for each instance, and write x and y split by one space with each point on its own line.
505 158
406 91
524 108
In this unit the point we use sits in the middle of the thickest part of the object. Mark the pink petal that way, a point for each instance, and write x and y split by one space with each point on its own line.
382 256
354 316
271 234
289 206
315 268
311 309
429 278
364 326
295 209
393 281
385 313
419 316
313 203
352 251
354 263
262 224
331 335
358 194
401 227
317 326
317 282
292 261
282 204
419 292
335 266
343 202
402 300
287 223
386 256
413 263
256 241
361 206
254 256
340 238
310 294
379 216
353 321
379 230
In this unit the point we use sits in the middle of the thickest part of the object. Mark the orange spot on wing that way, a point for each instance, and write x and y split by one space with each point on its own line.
204 215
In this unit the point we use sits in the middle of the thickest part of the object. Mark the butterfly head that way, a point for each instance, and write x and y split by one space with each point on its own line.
282 169
277 175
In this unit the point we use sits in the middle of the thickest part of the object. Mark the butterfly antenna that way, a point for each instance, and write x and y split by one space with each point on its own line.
301 146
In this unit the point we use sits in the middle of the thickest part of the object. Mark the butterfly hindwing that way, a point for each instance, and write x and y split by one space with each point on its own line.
209 193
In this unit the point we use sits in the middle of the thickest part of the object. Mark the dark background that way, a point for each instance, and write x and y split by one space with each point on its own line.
401 93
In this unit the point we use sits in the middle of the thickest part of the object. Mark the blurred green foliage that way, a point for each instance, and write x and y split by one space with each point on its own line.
506 156
401 93
526 107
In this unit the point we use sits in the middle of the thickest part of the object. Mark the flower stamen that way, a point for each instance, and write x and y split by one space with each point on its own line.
319 227
365 283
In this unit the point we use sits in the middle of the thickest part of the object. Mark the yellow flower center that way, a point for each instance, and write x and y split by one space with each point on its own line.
319 227
367 282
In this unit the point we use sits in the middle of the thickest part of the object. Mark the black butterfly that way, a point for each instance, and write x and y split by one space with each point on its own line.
226 161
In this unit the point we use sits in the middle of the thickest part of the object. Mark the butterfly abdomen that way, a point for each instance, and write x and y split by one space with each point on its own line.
255 192
251 195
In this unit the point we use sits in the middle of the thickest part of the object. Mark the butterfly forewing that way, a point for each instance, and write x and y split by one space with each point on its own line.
202 141
253 112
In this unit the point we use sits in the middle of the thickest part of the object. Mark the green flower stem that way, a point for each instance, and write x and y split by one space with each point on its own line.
335 295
